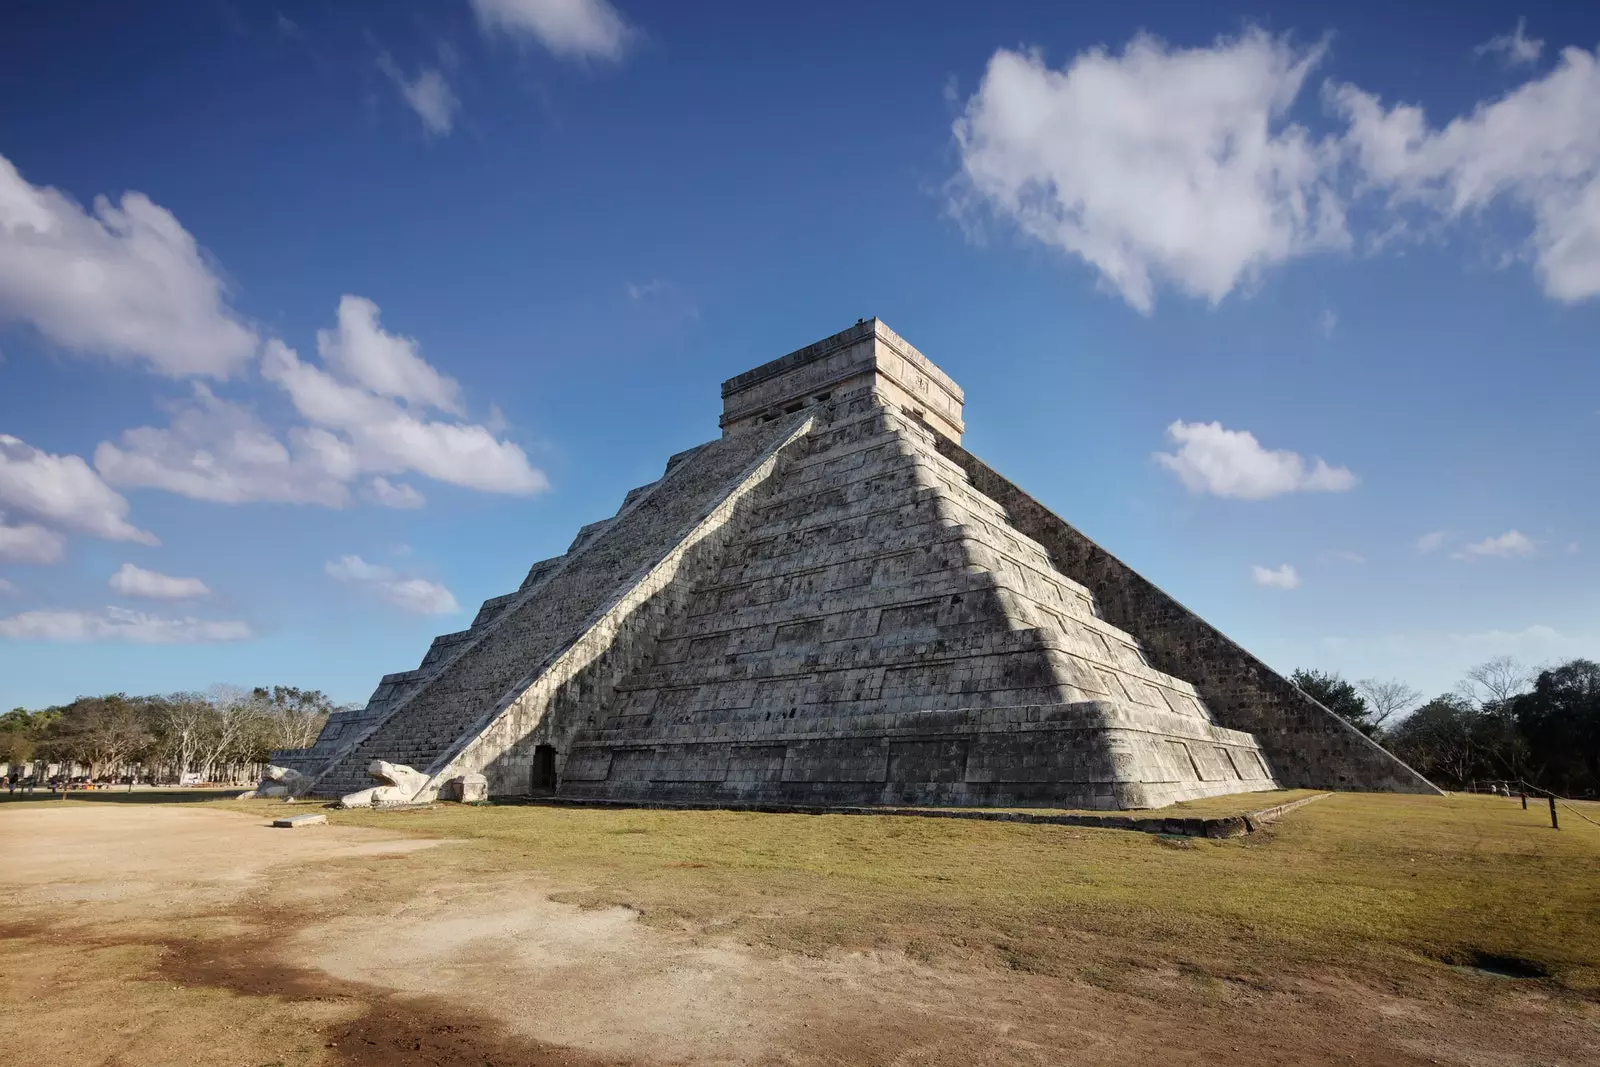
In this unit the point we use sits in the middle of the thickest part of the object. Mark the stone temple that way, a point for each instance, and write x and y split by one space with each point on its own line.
836 603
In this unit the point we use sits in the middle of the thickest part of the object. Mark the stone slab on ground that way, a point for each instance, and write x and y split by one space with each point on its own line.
295 822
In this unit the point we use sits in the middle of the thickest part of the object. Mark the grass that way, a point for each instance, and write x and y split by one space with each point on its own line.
1392 889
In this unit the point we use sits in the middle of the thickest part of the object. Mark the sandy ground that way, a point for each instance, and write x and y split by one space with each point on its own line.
168 935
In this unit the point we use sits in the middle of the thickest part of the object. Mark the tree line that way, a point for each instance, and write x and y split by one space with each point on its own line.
1504 722
220 735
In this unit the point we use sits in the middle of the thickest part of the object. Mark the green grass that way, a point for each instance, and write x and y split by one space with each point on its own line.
1392 888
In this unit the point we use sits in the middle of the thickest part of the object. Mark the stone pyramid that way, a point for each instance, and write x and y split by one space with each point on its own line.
835 603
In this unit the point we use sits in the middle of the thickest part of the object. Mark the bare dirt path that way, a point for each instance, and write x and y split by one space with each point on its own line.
171 935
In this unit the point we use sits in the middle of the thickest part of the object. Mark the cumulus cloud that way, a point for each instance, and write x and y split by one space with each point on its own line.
367 415
1515 47
31 543
572 29
1156 163
1284 577
385 363
220 451
126 281
1232 463
428 94
1507 545
387 438
1180 166
138 582
119 624
1538 147
416 595
58 492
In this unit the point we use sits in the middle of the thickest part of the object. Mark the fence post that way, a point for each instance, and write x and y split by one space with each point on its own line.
1524 800
1554 824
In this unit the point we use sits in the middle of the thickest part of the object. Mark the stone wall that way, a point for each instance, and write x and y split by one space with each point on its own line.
1307 745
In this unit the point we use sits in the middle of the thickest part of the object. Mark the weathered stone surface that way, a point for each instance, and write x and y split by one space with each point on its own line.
279 782
466 789
295 822
835 603
401 785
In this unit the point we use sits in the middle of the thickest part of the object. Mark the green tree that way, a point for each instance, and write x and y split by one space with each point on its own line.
1338 696
1559 725
1448 740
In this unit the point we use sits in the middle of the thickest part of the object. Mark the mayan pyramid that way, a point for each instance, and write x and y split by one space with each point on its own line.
836 603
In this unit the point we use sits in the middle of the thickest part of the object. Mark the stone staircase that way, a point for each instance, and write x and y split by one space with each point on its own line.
515 634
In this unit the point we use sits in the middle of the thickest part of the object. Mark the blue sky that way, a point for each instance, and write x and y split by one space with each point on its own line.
382 302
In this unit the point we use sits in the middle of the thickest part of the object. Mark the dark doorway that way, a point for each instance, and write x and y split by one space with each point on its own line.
544 769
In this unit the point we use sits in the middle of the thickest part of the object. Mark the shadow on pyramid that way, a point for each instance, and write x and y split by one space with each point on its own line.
835 603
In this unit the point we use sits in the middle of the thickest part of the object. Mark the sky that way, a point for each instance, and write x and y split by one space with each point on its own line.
320 322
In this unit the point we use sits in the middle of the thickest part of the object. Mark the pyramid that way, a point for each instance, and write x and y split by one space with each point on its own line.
835 603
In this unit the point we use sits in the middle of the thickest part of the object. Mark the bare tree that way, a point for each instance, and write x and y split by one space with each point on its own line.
295 716
236 719
185 724
1492 684
1387 698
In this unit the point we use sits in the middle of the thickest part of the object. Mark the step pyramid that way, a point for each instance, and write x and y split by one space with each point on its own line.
835 603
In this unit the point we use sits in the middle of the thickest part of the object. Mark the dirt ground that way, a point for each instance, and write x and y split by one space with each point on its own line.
165 934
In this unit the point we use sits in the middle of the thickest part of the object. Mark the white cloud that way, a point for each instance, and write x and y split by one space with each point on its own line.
31 543
366 420
1232 463
6 586
1538 146
388 439
429 95
1284 577
1328 321
1156 164
61 491
1180 166
416 595
573 29
1344 556
119 624
385 363
394 494
220 451
1432 541
1516 46
1511 543
127 282
138 582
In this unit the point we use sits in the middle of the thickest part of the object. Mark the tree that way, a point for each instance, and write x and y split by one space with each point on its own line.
1388 699
1337 695
1560 724
104 732
294 716
184 722
1445 740
1493 686
235 726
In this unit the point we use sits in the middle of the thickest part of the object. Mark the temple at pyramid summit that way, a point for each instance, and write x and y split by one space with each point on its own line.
835 603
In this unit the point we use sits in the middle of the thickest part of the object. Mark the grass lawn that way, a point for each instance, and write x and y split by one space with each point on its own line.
1390 889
